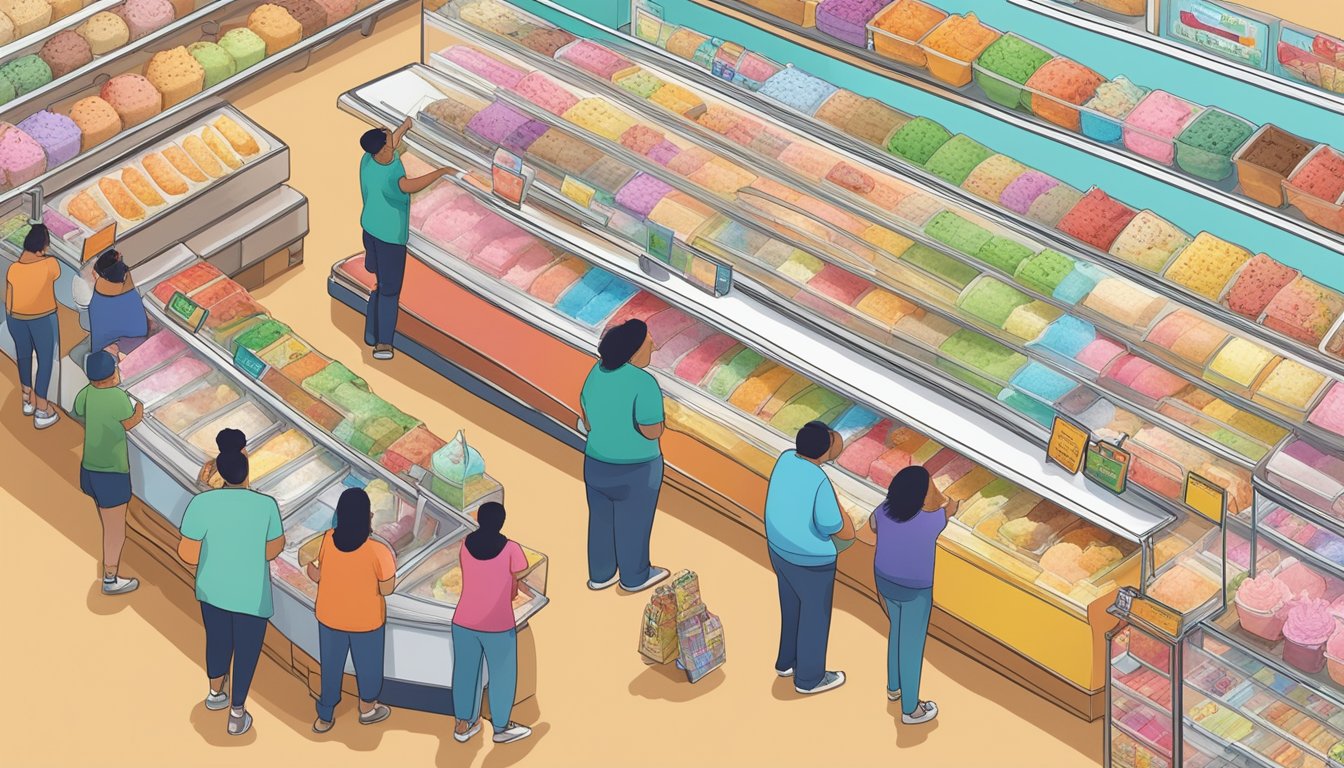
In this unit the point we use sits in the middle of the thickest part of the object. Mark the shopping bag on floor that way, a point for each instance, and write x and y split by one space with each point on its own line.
700 642
658 631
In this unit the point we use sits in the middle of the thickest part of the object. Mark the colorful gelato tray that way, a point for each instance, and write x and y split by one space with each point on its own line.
1005 66
1256 285
1316 187
254 421
302 478
1239 365
952 47
1102 116
1311 57
897 29
1151 128
1208 266
199 401
1290 388
1208 143
1265 162
1059 88
1216 431
1304 310
1186 338
1328 414
1149 242
1310 474
847 20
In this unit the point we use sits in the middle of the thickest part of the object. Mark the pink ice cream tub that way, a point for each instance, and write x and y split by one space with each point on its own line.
1260 605
1152 127
484 65
1308 628
546 93
1316 187
1300 580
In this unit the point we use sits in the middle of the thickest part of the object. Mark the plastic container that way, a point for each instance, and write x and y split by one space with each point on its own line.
802 13
847 20
1151 128
1102 116
1268 625
1335 668
1019 59
1240 366
914 19
1266 160
1058 88
1327 213
1321 65
1210 156
948 67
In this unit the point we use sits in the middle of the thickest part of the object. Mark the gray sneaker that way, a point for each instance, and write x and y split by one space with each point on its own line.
44 419
120 586
656 575
217 701
378 714
511 733
828 681
239 724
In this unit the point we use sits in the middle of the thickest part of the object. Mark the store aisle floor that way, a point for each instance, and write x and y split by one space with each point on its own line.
119 681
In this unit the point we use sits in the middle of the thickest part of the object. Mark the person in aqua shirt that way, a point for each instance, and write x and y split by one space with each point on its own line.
231 534
386 221
105 470
802 513
623 464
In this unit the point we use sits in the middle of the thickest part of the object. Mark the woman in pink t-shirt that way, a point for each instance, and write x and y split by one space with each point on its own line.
484 630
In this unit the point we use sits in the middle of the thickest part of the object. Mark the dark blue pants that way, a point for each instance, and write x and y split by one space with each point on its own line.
387 262
622 499
366 648
805 595
232 637
34 336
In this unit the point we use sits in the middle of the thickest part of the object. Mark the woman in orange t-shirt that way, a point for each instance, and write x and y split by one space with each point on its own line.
30 314
354 572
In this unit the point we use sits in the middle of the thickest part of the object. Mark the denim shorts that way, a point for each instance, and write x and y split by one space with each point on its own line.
108 489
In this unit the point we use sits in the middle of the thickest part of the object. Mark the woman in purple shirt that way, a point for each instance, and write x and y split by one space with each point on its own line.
907 526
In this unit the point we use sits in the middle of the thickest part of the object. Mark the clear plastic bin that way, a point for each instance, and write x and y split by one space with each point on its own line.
1327 213
947 68
1103 126
895 47
1002 90
1261 184
1205 163
1311 57
1150 143
1054 105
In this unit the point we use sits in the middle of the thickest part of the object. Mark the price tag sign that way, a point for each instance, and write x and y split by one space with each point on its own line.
247 361
99 241
1068 445
1107 465
658 242
186 312
577 191
1157 615
1205 497
511 181
648 22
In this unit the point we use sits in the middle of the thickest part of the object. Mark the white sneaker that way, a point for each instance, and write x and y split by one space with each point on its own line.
828 681
463 738
44 419
28 408
514 732
120 586
784 672
598 586
216 701
655 575
893 695
924 712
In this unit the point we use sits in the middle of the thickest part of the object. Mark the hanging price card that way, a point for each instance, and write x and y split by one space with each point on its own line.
1067 446
186 312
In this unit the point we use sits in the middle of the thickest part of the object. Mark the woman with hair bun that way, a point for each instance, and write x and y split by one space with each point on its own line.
622 410
30 315
227 441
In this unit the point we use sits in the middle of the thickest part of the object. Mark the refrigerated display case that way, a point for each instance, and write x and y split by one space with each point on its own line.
303 456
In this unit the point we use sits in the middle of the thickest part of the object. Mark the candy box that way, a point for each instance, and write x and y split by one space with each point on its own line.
1102 115
1207 145
1058 87
1316 187
951 47
1266 160
1151 127
897 29
1005 66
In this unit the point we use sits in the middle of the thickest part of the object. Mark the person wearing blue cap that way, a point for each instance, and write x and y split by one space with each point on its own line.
105 470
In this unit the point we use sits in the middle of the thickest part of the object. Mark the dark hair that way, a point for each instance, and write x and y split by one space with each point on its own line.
813 440
486 542
109 266
230 440
906 494
373 140
232 467
353 523
37 239
619 344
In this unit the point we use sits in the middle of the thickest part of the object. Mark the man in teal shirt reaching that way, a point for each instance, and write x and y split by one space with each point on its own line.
386 221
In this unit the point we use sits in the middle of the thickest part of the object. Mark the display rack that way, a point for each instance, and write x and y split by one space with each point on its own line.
1144 35
31 42
971 97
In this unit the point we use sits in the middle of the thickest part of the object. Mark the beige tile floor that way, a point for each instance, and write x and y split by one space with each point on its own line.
110 682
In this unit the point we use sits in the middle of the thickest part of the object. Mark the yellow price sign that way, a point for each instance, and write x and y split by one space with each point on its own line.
1161 617
1205 497
1068 445
577 191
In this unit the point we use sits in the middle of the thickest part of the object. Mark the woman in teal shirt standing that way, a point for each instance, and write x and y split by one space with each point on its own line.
623 464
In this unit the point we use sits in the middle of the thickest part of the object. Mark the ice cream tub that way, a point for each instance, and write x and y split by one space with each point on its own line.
897 29
801 13
1266 160
1311 57
1304 310
951 48
1152 469
1151 128
1239 366
1208 143
1316 188
1004 67
1309 626
1058 88
1101 118
1260 602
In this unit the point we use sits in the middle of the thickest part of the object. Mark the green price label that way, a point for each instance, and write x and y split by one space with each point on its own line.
249 363
659 244
186 311
1107 465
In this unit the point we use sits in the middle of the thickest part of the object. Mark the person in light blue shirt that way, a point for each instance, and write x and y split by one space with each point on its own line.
802 514
386 221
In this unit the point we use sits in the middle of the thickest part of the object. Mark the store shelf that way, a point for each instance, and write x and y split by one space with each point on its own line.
33 41
763 164
973 98
1137 34
811 353
205 22
658 58
1228 629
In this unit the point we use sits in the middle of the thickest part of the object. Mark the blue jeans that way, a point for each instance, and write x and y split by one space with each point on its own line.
38 335
622 499
908 610
805 596
499 651
366 648
232 637
387 262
